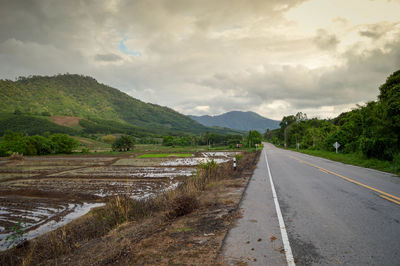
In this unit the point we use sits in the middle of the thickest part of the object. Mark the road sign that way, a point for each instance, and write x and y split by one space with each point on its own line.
336 145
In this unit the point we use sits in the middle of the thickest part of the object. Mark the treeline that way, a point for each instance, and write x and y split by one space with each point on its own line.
253 137
373 129
30 125
12 142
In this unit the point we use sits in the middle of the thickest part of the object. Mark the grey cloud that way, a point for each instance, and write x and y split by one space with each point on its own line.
356 81
378 30
192 55
108 57
325 41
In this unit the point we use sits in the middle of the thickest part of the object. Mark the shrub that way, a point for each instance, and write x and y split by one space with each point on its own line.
108 139
396 162
123 143
63 143
168 141
183 204
39 145
16 156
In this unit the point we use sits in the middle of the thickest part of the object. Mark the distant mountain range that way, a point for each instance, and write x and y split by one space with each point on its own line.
238 120
96 107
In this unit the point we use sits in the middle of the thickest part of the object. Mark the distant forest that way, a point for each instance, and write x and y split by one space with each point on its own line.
373 129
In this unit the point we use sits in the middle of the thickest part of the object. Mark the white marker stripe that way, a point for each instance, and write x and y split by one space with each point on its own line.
285 239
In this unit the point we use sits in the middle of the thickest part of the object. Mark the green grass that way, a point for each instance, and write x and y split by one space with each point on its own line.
354 159
162 155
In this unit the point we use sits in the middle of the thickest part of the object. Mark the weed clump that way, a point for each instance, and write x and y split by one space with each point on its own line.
182 205
15 156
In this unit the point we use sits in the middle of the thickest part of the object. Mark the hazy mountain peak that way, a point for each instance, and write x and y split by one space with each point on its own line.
238 120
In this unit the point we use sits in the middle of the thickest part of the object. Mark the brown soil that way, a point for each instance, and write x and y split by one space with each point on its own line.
195 238
66 121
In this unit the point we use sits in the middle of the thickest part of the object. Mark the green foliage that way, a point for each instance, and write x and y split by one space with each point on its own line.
209 168
123 143
233 140
168 140
36 145
396 162
109 139
254 137
63 143
149 140
39 145
17 232
30 125
373 129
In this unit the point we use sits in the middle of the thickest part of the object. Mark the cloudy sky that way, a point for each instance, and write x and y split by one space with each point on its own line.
274 57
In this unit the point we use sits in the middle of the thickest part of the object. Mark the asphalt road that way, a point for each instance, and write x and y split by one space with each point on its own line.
335 214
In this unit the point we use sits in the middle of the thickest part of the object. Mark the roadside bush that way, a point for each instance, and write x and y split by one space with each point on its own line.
183 204
254 137
396 162
209 168
380 148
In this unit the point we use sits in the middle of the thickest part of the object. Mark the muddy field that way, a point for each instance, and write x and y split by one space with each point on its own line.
39 194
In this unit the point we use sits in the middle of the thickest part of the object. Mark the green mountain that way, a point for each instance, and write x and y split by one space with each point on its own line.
244 121
103 107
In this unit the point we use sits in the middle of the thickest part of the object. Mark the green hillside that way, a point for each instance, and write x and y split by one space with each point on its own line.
31 125
81 96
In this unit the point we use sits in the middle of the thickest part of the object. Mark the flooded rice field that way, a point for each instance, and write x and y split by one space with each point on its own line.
41 193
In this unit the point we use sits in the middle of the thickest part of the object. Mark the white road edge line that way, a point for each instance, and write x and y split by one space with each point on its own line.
285 239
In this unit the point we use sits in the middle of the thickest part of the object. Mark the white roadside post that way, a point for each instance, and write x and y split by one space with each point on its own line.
336 145
298 145
234 163
256 146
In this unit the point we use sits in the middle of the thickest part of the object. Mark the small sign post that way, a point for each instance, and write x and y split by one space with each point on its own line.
298 145
336 145
256 146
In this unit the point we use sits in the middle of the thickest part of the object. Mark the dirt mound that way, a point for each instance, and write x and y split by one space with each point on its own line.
66 121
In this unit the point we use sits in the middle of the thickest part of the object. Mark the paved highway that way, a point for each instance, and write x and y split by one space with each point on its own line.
334 214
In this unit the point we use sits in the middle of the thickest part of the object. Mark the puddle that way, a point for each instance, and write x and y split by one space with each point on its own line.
131 172
192 161
219 154
79 210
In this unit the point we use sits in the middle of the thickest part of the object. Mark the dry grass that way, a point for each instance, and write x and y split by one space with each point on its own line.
15 156
183 204
66 121
122 210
